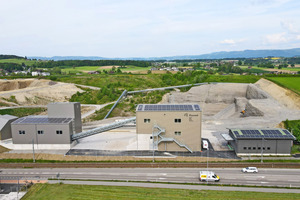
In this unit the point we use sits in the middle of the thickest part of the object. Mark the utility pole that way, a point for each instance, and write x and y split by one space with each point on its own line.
33 150
207 155
262 150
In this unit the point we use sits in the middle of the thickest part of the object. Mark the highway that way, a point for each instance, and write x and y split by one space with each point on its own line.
234 176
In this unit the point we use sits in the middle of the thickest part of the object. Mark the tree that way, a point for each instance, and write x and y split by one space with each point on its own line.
240 62
293 65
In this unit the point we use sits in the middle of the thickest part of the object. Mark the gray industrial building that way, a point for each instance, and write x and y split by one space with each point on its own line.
63 120
66 110
5 126
260 141
42 130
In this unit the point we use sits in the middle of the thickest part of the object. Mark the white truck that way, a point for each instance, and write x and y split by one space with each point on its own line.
208 176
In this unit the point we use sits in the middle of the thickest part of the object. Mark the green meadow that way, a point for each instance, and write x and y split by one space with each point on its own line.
89 192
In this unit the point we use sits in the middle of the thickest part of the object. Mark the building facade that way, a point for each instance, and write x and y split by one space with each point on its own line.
42 130
5 126
66 110
260 141
172 127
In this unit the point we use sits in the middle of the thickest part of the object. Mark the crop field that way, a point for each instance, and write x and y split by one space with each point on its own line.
292 83
64 191
80 69
18 61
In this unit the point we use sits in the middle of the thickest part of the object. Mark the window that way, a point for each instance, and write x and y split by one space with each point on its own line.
269 148
21 132
258 148
264 148
59 132
245 148
177 120
177 132
146 120
40 132
249 148
254 148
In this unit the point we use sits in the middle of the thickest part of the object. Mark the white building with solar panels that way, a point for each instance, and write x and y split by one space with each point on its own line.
171 127
260 141
48 132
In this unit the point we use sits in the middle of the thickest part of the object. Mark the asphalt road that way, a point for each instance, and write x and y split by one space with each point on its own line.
234 176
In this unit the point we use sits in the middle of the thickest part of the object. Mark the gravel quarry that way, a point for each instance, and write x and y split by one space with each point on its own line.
35 91
265 103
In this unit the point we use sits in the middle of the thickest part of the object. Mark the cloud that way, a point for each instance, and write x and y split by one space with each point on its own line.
275 38
289 26
231 41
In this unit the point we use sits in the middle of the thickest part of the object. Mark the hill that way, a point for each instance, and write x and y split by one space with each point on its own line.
215 55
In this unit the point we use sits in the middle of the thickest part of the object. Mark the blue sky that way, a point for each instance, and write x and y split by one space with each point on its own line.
146 28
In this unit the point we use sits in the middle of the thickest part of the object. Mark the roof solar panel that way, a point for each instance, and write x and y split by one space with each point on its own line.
167 107
140 107
197 107
42 120
264 133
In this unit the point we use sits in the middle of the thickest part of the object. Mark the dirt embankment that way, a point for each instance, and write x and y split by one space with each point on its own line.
35 91
286 97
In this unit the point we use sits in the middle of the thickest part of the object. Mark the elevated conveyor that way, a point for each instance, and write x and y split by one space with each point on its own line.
102 129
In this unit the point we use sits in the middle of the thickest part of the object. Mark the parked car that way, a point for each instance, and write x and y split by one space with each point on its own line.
250 170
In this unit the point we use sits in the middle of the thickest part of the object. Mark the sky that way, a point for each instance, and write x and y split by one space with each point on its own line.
146 28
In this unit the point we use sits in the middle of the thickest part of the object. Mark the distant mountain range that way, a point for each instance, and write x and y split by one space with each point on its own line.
215 55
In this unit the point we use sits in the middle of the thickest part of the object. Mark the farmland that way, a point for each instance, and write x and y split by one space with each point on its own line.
292 83
19 61
64 191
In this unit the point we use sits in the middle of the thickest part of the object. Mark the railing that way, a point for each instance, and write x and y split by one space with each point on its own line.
165 139
102 129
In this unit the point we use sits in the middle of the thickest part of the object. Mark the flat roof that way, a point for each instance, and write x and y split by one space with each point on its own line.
275 133
42 120
168 107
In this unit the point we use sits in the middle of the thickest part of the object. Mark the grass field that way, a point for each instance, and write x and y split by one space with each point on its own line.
129 68
89 192
21 112
292 83
18 61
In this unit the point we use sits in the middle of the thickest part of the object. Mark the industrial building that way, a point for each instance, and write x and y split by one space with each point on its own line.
172 127
5 126
247 142
54 130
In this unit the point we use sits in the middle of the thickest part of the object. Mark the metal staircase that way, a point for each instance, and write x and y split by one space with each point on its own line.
165 139
102 129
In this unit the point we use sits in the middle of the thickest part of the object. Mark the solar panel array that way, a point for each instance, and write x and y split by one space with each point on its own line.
197 107
159 107
42 120
266 134
140 107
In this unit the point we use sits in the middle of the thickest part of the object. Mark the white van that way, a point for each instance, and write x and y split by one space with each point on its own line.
204 144
208 176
